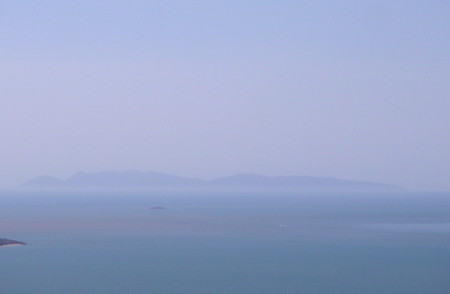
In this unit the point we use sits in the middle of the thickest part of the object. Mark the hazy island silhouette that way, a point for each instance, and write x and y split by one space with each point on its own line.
8 242
134 179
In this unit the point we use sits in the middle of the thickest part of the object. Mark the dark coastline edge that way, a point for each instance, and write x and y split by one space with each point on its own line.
8 242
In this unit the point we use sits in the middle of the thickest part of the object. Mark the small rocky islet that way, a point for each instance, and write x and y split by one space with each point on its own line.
8 242
158 208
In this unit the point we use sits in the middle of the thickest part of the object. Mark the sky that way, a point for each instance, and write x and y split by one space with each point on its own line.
349 89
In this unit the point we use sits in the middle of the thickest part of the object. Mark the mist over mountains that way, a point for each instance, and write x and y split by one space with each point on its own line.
153 180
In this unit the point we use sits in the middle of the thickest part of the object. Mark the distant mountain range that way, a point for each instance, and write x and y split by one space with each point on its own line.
154 180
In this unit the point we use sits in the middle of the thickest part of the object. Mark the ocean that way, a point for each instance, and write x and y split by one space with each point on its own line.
225 242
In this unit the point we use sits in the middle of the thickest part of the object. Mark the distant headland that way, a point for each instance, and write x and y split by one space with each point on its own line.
110 180
7 242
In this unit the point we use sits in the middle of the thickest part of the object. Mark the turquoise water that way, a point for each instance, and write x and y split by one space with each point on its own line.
225 242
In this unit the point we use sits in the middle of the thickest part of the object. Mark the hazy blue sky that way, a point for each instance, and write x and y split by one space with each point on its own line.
350 89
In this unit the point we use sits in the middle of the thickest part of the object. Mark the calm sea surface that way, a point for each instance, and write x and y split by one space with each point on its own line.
225 242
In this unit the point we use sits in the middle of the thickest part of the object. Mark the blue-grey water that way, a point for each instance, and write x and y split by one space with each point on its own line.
225 242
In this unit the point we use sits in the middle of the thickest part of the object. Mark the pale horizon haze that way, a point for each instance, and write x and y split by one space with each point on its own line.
355 90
